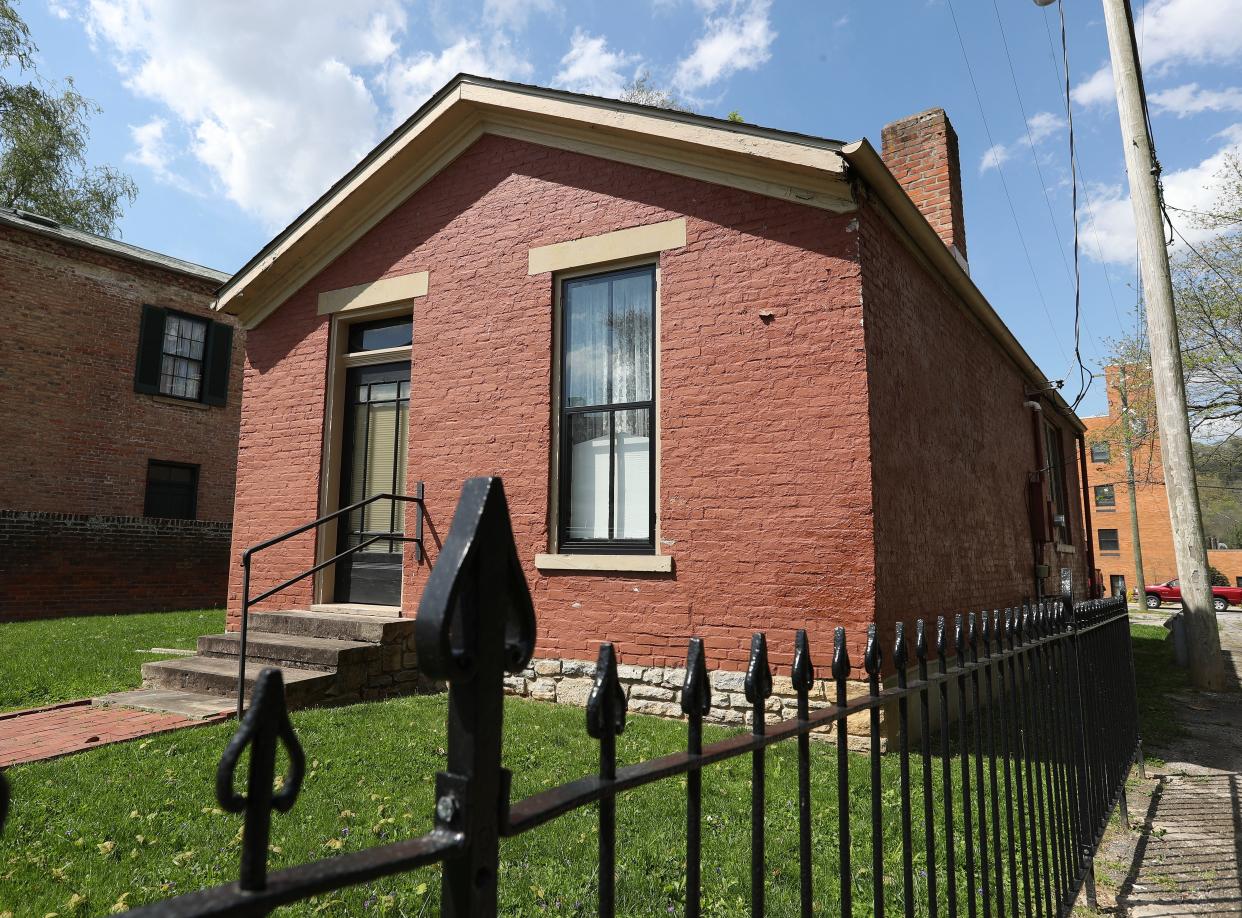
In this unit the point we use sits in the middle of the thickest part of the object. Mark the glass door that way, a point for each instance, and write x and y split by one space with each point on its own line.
376 418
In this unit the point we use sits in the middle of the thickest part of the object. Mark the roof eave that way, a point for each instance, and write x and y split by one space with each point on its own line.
864 159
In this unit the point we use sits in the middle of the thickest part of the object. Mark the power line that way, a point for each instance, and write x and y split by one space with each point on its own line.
1005 185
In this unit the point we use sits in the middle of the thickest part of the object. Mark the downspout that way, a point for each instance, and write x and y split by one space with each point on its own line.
1037 493
1088 541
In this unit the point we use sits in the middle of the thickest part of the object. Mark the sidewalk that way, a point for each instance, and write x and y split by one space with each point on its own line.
1184 854
47 733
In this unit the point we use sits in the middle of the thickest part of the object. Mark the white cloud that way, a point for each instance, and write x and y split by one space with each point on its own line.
1171 33
591 67
153 151
1041 126
408 82
1189 99
515 13
1097 89
994 156
739 38
276 110
1108 228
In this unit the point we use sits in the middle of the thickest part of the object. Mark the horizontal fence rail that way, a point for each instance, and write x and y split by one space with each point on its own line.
1026 717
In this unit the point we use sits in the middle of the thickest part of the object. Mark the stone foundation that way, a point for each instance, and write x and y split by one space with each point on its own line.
657 690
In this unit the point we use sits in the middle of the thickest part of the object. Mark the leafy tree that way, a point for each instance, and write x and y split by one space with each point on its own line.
44 130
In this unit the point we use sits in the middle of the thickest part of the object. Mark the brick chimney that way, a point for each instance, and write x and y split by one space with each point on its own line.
921 152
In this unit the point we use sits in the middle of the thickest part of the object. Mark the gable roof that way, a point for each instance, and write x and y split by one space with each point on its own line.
46 226
812 171
783 164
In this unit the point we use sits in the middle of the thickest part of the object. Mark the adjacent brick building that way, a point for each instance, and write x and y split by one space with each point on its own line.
732 377
120 399
1110 497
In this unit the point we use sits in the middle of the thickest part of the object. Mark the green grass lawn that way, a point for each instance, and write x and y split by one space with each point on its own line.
62 659
132 822
1157 681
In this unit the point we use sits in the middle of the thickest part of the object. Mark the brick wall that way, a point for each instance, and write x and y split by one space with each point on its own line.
75 439
765 489
1155 529
54 564
952 447
74 436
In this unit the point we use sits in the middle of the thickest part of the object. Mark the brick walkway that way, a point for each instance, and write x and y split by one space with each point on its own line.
46 733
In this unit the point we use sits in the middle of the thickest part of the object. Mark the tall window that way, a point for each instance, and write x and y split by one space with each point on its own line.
172 490
1109 540
183 356
181 365
1105 496
607 413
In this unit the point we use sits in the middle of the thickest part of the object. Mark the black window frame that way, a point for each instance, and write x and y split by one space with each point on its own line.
1114 541
610 546
1112 495
201 361
1101 447
153 464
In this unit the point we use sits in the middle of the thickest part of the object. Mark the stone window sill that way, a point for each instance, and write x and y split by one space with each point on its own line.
179 402
646 564
1064 549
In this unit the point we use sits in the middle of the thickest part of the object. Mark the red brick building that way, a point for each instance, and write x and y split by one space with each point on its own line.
733 378
120 398
1110 497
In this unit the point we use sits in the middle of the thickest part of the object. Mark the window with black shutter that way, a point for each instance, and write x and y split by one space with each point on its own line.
172 490
183 356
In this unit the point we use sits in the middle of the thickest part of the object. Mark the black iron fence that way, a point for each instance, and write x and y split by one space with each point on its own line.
1027 718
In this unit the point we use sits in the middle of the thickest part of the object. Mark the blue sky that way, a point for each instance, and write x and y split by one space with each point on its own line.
233 116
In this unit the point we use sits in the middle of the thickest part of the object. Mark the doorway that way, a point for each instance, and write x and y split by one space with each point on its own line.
376 416
1117 585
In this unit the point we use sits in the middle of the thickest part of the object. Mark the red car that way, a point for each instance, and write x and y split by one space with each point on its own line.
1222 597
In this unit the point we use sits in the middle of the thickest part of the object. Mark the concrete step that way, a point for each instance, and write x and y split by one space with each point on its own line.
218 676
193 705
266 648
357 608
334 625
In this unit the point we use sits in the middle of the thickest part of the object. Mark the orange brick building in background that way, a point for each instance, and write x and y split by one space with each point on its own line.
1110 508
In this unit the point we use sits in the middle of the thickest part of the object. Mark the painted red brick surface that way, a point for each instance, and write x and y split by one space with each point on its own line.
791 458
755 418
952 449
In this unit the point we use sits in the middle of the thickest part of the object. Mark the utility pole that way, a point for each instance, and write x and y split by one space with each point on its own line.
1127 448
1207 669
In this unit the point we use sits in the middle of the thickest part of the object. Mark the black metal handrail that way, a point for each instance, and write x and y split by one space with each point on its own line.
247 600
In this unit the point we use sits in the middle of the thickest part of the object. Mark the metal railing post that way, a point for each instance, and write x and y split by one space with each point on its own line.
475 623
245 627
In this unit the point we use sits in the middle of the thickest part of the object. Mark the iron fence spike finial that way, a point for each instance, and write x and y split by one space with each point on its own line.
972 634
985 632
900 651
1009 628
802 674
920 640
696 691
941 637
959 635
873 656
605 713
840 655
479 549
264 724
758 674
